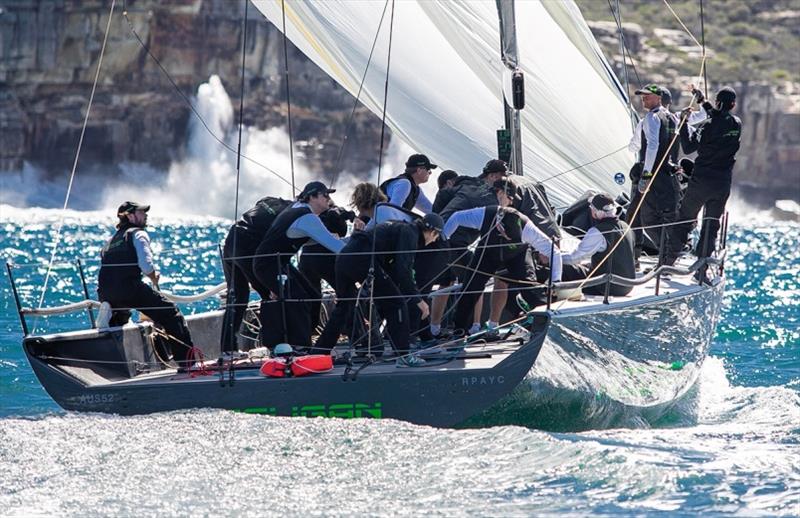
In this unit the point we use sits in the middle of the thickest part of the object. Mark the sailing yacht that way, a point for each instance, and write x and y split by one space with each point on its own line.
456 78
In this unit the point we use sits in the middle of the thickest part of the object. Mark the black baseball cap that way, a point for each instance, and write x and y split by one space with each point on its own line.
419 160
726 94
603 202
130 207
314 188
493 166
650 89
507 187
433 221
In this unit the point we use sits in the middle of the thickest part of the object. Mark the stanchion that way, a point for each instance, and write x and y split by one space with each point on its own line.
660 258
550 279
16 299
86 293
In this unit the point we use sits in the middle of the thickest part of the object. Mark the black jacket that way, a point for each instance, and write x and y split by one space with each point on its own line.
716 141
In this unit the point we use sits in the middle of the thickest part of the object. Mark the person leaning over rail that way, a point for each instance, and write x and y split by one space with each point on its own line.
390 249
716 141
283 321
504 232
658 131
124 258
598 242
366 196
240 246
403 190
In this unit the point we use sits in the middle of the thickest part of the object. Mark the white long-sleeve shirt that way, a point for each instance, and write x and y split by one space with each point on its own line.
473 218
591 243
144 255
398 192
635 143
309 225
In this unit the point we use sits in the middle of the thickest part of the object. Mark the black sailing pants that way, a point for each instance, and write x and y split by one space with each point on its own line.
703 191
141 297
660 206
388 299
282 320
317 268
237 265
486 262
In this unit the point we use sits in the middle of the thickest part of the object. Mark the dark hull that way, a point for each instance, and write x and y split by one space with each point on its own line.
621 365
442 393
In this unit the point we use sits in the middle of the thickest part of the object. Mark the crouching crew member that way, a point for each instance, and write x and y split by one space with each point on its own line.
395 244
599 241
291 321
124 259
505 233
716 141
237 263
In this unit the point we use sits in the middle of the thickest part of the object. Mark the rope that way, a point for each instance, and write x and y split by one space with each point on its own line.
288 98
371 275
189 102
356 102
77 155
584 165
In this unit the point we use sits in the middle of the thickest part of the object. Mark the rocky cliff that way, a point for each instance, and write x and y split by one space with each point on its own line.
49 50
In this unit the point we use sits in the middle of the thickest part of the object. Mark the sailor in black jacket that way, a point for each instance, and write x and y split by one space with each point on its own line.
240 246
124 259
716 141
395 245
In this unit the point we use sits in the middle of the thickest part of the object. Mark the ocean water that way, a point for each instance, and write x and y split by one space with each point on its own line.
735 449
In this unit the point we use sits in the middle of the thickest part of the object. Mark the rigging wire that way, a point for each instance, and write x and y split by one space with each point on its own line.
340 155
626 50
57 240
288 99
703 40
230 291
191 105
371 275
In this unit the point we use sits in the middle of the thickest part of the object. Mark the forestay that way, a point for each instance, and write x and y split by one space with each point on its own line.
445 94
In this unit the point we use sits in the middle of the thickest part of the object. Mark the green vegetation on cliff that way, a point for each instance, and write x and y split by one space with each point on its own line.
749 40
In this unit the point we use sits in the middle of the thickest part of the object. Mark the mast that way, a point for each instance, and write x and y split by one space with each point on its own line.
509 53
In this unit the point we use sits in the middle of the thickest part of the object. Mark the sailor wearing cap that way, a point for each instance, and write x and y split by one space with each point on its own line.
124 259
291 321
394 292
597 243
403 190
658 131
716 141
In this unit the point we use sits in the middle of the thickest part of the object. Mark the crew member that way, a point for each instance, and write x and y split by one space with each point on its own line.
394 244
403 190
237 263
599 240
364 199
716 141
663 192
124 259
505 233
290 321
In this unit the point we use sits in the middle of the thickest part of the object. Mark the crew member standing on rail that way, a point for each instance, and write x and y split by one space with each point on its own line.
283 320
124 259
598 242
240 246
658 130
404 191
716 141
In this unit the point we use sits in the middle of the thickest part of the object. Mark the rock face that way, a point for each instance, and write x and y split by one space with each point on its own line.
769 159
49 51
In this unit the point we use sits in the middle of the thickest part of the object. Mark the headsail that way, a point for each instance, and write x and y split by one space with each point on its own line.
445 94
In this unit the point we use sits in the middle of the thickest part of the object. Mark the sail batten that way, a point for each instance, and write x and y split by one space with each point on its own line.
445 86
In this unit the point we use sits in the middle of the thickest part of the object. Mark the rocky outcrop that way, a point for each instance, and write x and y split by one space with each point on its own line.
769 159
49 51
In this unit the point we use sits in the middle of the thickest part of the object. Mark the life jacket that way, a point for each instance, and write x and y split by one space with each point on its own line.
508 231
119 252
276 240
411 201
622 260
666 132
256 221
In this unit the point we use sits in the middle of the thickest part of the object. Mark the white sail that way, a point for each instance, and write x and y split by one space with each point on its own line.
445 90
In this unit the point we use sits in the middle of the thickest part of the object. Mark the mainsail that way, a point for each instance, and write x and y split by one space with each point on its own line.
445 90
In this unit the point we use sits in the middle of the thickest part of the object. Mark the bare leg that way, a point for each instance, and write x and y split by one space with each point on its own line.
476 319
438 306
499 299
